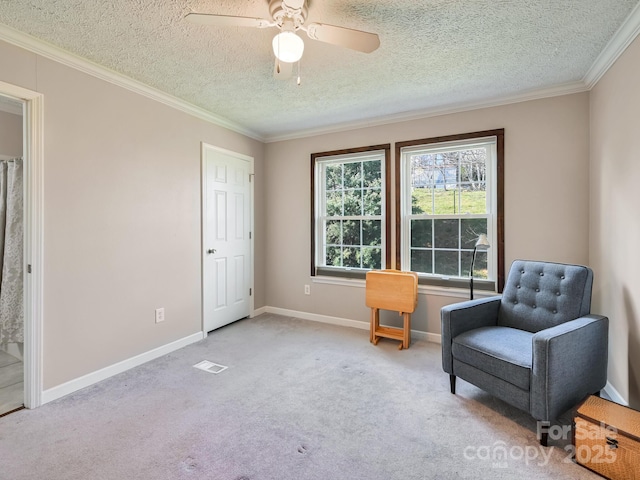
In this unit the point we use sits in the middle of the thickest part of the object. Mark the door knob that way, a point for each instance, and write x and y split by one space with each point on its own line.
211 250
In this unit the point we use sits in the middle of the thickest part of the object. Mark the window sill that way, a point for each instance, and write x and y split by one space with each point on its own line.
345 282
422 289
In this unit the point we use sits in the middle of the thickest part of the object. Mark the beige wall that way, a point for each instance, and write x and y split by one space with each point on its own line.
10 134
122 216
615 228
546 197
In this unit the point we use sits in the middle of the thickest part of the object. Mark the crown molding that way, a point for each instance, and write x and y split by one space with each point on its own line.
564 89
623 37
47 50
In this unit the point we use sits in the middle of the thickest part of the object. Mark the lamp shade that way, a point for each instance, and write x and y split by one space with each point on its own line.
483 242
288 47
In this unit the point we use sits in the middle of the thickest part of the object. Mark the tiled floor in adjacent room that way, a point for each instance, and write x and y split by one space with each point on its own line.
11 383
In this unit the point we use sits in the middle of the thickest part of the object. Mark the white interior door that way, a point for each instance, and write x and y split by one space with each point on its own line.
227 236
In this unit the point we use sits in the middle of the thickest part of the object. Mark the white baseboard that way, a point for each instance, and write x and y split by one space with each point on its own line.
614 395
258 311
314 317
104 373
429 337
343 322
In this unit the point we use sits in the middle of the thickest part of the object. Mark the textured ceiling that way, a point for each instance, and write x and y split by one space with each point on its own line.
434 54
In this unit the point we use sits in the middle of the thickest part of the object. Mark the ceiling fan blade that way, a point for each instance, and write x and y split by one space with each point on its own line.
227 20
282 70
344 37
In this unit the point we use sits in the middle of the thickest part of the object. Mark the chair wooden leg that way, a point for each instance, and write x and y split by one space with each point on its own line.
452 382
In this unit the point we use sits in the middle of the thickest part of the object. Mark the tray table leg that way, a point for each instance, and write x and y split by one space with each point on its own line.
406 340
375 323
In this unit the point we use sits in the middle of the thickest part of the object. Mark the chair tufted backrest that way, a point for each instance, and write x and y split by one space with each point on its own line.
540 295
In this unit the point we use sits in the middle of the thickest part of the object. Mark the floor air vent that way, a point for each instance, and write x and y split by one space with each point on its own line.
210 367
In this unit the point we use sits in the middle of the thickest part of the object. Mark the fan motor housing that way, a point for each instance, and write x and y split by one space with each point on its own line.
279 10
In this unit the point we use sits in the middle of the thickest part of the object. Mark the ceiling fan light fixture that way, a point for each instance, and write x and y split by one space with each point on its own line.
288 47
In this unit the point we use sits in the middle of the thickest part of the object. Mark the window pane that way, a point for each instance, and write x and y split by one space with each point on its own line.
351 257
372 258
474 199
481 269
353 202
470 229
423 170
465 262
446 200
421 235
353 175
334 203
421 261
351 232
333 258
333 232
372 202
372 232
373 174
473 164
446 263
422 200
446 233
333 176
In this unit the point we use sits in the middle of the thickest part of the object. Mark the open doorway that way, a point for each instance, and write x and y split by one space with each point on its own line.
33 180
11 255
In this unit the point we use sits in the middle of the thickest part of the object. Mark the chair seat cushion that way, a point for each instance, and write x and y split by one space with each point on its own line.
503 352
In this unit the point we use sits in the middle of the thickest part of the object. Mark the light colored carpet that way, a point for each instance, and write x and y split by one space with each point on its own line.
300 400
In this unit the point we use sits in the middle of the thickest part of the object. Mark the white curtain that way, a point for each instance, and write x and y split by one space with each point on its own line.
11 252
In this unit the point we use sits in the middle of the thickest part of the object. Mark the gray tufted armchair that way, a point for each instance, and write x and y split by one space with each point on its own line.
535 346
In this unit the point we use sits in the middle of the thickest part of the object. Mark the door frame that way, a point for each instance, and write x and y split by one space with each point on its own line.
33 154
203 209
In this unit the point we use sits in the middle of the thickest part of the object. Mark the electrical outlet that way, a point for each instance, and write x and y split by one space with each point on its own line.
159 315
307 290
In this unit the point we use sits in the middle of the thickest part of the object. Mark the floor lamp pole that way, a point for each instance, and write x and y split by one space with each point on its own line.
473 262
481 244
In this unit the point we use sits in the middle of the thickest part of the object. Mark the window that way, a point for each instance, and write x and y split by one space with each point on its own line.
349 230
449 191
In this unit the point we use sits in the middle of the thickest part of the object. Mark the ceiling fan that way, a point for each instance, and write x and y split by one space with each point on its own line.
289 17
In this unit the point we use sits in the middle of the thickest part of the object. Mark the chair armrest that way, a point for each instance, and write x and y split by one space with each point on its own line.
569 363
460 317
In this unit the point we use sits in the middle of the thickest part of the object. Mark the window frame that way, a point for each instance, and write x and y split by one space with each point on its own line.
321 270
498 184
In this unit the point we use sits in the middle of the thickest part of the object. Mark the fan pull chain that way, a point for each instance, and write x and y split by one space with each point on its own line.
299 80
278 56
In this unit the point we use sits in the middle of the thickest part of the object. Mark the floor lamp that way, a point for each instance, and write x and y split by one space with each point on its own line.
481 244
